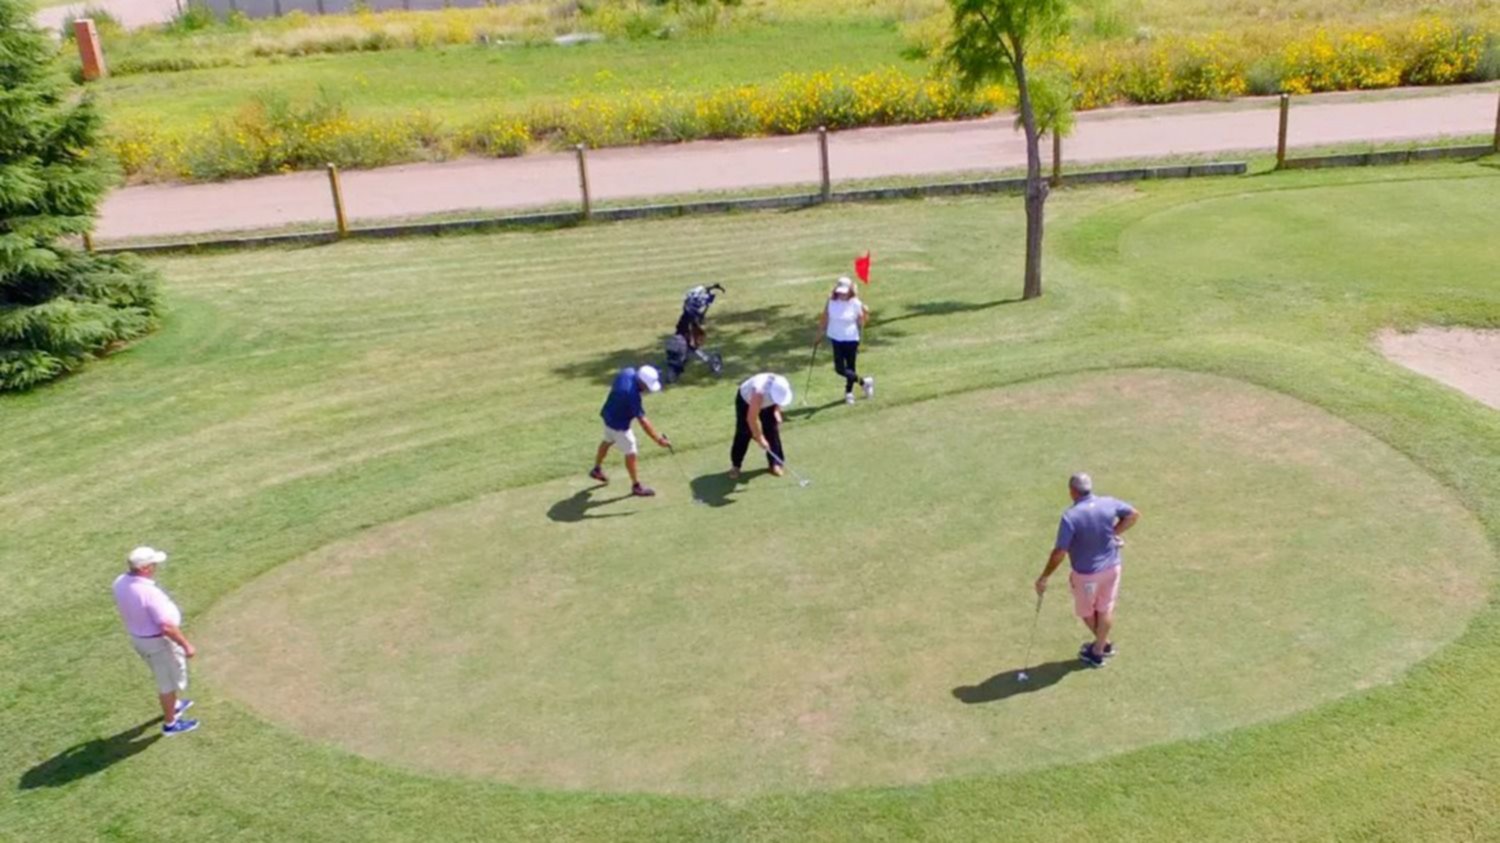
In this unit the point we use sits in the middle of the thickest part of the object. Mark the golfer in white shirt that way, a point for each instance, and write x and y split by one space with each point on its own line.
843 318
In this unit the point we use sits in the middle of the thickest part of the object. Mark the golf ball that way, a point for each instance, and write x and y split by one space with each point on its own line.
1022 677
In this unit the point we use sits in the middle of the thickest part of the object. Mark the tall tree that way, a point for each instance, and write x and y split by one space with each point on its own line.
58 306
991 41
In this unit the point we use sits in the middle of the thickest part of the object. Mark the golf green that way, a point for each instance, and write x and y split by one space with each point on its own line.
784 639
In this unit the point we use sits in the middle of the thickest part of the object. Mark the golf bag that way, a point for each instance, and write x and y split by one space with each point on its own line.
688 337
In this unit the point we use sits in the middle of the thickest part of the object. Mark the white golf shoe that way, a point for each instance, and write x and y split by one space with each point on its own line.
869 384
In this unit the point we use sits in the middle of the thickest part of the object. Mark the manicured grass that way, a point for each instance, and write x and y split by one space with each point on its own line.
308 399
593 641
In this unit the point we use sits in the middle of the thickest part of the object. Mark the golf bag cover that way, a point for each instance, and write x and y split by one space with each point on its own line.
677 359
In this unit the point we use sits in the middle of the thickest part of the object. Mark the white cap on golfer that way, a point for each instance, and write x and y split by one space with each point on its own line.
780 391
650 377
143 556
844 286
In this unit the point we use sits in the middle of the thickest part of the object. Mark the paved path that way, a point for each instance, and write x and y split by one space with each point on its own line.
642 172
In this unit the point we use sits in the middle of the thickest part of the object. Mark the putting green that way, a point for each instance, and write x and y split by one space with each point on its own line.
862 631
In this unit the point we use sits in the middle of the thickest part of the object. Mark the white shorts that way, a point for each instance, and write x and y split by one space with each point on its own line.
622 439
167 660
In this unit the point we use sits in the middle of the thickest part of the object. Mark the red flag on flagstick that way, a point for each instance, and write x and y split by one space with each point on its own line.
862 267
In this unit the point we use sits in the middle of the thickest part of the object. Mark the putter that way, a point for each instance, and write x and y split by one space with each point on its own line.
1021 676
807 390
685 478
801 481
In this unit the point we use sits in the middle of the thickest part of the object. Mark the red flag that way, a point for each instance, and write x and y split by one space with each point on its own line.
862 267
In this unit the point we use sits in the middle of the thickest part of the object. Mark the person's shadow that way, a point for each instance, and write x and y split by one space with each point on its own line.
575 508
90 757
718 489
1003 686
808 411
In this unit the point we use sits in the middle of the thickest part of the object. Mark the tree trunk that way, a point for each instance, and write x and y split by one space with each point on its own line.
1036 186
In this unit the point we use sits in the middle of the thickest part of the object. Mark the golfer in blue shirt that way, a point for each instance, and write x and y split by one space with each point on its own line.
1090 536
622 407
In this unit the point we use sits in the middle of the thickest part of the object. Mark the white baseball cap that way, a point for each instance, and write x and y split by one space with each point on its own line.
780 391
650 377
143 556
844 285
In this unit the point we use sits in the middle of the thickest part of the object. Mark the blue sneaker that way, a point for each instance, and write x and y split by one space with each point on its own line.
1109 648
178 726
182 705
1086 655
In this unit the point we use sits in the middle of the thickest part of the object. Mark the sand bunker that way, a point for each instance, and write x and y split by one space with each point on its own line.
1463 358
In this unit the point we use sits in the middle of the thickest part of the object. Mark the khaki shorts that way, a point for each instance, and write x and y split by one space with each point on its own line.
622 439
168 663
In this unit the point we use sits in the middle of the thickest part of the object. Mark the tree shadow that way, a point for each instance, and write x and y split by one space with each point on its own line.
762 339
718 489
90 757
1003 686
946 307
575 508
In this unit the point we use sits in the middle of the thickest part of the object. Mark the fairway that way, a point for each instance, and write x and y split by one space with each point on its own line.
838 635
416 622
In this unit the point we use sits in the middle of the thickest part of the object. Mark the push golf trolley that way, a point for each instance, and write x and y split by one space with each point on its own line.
689 336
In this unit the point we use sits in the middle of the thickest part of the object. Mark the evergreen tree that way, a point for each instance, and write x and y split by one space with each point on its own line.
58 306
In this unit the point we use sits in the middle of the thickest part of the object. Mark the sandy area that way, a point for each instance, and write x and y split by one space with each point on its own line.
1465 359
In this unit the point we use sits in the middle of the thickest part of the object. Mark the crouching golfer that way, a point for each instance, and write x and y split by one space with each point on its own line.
622 407
1090 536
154 623
757 416
842 319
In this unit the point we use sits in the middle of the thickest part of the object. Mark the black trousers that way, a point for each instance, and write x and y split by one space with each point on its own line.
845 353
768 425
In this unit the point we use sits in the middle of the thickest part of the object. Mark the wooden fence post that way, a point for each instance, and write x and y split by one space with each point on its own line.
1497 124
338 200
88 242
90 50
827 180
1286 104
583 181
1056 158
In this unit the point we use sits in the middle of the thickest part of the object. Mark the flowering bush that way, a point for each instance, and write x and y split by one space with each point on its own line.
1425 51
272 135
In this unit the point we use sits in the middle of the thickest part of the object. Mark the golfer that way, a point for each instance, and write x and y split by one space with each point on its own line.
757 416
154 623
1090 534
621 407
841 321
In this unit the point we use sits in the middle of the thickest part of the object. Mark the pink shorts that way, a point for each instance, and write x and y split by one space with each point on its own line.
1095 593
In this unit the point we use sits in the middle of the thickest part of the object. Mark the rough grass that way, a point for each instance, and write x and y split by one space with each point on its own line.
462 83
295 398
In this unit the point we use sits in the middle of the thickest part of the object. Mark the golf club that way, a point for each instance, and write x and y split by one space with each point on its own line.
1021 676
801 481
688 480
807 390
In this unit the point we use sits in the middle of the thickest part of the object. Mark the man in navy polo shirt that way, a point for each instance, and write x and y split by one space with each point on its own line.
622 407
1090 536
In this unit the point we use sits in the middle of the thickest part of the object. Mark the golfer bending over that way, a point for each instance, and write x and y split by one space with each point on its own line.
841 320
757 416
622 407
154 623
1090 535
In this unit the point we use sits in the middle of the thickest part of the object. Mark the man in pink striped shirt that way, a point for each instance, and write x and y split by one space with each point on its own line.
154 623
